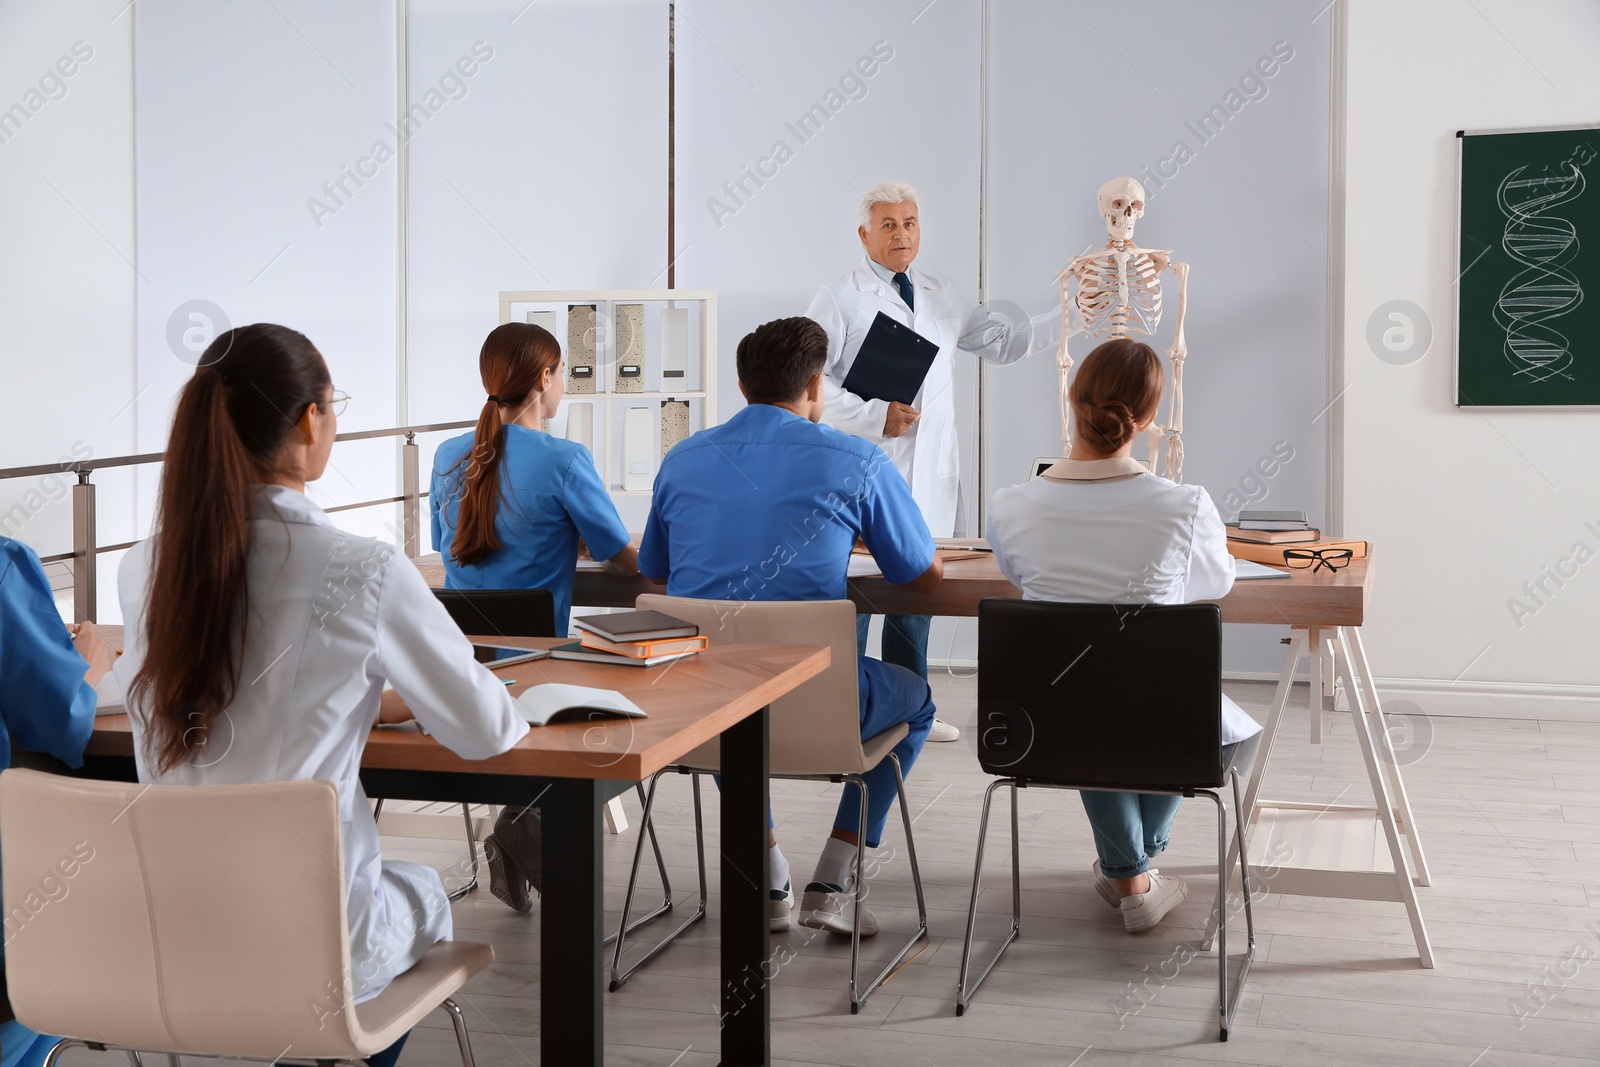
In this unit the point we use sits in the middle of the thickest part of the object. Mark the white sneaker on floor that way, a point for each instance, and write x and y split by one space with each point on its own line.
1104 886
1144 910
780 902
943 731
825 908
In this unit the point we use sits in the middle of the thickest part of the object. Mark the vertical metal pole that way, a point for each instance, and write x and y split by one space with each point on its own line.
411 489
85 594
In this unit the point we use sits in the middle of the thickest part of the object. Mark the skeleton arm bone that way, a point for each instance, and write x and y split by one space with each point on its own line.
1177 353
1071 323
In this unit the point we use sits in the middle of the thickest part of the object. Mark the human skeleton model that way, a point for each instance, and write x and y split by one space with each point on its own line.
1119 292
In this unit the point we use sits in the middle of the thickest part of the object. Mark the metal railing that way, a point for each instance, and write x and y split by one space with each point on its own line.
85 540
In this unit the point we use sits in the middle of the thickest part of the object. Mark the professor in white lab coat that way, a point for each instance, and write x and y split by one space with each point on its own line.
920 437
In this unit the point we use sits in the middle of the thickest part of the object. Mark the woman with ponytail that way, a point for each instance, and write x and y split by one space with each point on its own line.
260 636
510 505
1097 528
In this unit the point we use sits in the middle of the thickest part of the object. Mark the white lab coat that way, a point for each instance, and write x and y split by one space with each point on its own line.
926 455
334 616
1088 533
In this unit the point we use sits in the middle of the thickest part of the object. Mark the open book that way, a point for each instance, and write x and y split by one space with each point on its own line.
554 703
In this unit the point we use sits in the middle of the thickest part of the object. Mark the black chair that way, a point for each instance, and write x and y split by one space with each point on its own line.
1112 697
524 613
509 613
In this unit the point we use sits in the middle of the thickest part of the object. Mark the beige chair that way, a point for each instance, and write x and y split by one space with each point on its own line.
197 920
814 733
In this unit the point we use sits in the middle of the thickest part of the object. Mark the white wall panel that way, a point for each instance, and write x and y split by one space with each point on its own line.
66 261
1470 507
251 121
1078 99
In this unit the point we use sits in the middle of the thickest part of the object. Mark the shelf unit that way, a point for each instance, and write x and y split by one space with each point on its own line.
551 306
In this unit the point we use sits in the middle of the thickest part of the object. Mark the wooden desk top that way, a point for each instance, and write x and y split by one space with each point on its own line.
1302 599
689 702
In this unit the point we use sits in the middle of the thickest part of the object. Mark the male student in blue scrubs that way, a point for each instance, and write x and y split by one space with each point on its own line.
47 698
767 506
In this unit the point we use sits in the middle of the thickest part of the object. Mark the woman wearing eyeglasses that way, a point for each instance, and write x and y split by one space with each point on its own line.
510 505
260 636
1098 527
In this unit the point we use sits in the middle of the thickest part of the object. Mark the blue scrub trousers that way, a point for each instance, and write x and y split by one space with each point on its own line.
905 641
890 695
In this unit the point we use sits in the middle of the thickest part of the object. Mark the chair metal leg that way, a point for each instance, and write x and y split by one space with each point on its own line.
460 1023
921 931
619 977
860 892
1227 1005
52 1057
655 846
377 809
964 991
174 1060
472 850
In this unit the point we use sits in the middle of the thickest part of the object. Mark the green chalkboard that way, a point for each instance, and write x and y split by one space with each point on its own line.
1528 306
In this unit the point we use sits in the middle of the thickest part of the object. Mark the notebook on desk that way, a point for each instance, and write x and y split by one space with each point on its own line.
1245 570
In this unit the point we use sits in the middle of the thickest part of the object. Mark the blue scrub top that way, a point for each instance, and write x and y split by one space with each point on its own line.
550 495
45 703
768 505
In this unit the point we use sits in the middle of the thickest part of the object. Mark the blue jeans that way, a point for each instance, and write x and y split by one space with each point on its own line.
890 696
1131 829
905 641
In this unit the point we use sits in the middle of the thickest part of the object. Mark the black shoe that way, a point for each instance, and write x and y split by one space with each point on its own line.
506 880
515 857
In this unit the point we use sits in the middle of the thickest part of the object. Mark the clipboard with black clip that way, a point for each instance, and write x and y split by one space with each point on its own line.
892 362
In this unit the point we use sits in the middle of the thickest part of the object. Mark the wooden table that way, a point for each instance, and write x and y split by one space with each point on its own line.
1301 600
1333 850
571 770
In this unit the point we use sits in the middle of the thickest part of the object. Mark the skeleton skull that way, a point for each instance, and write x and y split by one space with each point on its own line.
1121 202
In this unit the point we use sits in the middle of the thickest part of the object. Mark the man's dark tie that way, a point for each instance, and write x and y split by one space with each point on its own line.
903 283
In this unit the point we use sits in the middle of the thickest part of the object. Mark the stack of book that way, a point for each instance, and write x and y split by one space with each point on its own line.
1272 527
632 639
1262 536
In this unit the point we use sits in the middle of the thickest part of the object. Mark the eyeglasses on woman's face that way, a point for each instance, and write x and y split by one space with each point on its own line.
336 403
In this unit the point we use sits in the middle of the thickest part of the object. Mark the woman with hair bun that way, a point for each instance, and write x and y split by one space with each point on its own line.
1098 527
510 504
260 636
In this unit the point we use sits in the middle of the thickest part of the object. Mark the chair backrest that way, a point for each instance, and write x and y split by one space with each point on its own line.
816 728
203 919
1106 695
507 612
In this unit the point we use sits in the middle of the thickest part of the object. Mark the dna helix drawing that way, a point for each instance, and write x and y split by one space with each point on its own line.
1544 290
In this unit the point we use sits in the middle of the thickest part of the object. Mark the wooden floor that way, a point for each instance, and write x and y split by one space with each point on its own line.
1509 811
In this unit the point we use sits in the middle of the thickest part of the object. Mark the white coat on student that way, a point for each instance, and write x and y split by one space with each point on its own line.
1108 531
334 616
926 454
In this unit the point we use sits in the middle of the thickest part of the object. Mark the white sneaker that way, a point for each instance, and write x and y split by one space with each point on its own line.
1143 910
780 902
1104 886
826 908
943 731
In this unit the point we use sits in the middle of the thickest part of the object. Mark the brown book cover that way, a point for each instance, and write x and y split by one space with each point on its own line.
645 649
1274 537
1273 554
